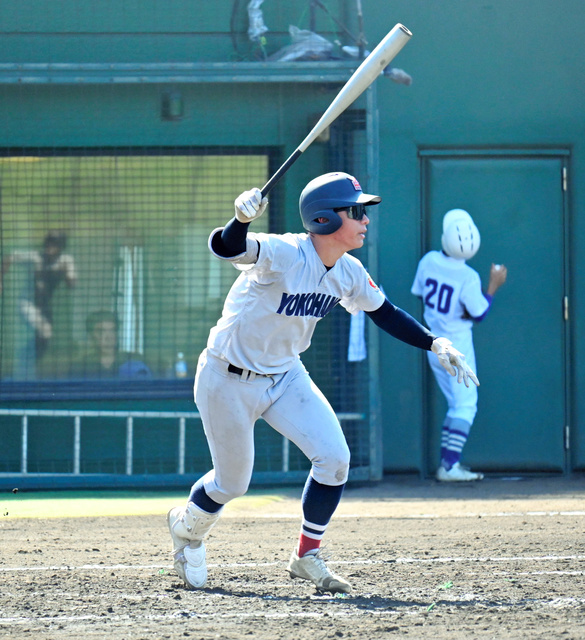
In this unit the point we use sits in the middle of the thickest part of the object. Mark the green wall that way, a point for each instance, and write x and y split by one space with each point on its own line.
496 74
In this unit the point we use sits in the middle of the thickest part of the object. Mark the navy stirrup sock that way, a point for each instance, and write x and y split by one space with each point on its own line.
202 500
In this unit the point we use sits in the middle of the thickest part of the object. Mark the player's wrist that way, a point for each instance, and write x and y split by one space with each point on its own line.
439 344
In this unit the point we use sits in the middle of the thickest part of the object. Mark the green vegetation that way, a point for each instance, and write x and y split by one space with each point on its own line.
82 504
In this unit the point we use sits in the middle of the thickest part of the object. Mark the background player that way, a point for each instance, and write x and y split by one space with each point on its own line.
51 266
453 302
102 358
251 367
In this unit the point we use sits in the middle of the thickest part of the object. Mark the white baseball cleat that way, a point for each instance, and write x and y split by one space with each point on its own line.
190 564
187 526
312 567
457 473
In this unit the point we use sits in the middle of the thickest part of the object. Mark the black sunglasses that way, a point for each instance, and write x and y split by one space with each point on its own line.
355 212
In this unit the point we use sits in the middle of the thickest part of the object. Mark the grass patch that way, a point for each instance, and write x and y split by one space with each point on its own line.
83 504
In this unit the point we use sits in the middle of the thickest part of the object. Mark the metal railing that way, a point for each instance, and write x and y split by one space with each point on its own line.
129 417
77 415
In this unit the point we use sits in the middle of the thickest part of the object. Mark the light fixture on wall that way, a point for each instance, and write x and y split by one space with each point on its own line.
172 107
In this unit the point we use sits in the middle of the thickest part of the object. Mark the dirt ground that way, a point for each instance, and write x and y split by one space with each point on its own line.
501 559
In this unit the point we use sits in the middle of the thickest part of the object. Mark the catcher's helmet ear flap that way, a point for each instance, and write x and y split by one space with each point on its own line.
461 239
328 192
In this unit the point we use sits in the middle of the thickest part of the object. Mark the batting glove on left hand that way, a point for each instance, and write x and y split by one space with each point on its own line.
250 205
453 361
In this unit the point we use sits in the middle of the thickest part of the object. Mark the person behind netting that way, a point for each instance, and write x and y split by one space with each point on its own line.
251 367
51 266
102 359
453 303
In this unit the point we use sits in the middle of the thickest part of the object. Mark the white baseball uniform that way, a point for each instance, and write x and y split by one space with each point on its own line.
269 317
453 298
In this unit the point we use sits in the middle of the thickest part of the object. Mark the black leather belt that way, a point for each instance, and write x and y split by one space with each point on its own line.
233 369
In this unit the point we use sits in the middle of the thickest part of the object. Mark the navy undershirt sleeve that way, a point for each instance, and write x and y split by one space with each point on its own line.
232 240
402 326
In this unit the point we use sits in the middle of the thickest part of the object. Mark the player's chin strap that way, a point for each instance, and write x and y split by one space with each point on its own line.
453 361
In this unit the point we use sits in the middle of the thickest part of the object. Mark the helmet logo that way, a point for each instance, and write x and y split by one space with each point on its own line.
356 184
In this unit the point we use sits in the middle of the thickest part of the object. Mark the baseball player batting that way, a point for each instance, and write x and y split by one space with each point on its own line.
251 367
453 302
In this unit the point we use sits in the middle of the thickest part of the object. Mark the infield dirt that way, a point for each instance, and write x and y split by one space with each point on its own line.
501 559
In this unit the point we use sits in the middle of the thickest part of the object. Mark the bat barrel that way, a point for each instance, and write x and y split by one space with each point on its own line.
361 79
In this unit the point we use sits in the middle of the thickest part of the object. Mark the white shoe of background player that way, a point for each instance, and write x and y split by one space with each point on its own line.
312 567
188 526
457 473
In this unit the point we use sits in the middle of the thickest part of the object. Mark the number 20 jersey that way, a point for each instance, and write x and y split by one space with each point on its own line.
448 287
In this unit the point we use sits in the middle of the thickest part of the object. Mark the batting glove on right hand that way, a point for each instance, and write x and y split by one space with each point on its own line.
453 361
250 205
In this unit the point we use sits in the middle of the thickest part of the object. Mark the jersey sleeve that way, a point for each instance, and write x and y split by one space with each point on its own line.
277 254
472 297
266 255
363 294
417 288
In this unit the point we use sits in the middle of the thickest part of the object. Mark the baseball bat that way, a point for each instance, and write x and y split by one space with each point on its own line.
360 80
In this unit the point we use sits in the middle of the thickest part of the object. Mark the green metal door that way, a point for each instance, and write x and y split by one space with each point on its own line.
517 201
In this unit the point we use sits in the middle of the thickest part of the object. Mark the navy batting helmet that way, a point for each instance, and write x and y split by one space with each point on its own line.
326 193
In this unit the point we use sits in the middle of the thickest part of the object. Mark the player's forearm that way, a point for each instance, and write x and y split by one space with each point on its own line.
232 241
492 288
402 326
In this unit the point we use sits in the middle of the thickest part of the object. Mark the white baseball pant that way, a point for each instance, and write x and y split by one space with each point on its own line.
290 403
461 400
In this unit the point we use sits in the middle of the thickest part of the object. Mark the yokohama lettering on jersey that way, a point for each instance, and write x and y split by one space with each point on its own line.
273 307
307 304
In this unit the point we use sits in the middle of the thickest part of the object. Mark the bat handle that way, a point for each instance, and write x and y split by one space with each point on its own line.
278 175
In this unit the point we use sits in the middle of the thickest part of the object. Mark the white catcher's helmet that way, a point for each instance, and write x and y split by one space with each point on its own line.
460 237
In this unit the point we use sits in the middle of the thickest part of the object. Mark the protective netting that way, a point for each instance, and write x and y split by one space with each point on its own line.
107 274
109 291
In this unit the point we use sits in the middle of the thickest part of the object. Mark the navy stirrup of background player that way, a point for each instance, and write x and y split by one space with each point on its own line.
326 193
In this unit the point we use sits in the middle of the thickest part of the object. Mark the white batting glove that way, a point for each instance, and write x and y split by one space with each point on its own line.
250 205
453 361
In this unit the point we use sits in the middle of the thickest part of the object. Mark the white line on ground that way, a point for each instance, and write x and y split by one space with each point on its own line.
360 562
337 613
498 514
